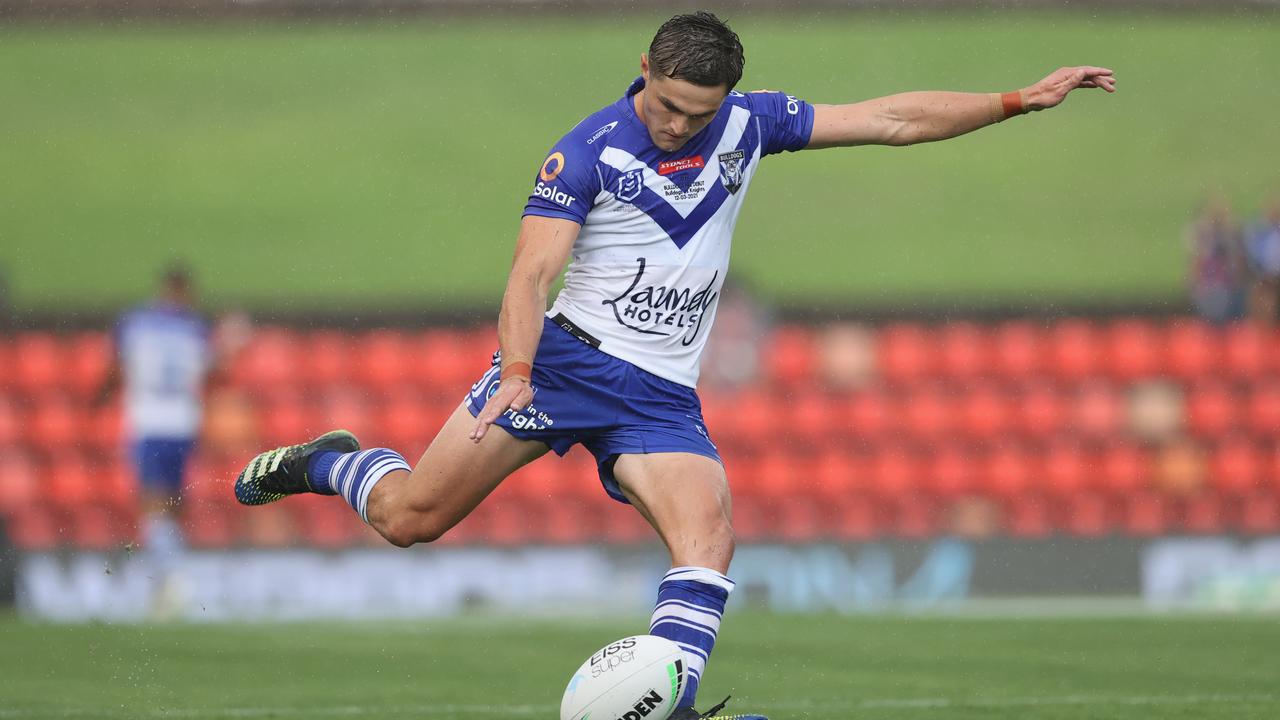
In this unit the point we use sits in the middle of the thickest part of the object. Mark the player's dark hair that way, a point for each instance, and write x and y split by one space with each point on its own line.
698 48
177 277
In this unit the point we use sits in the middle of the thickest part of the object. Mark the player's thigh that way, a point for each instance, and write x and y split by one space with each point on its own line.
456 473
685 497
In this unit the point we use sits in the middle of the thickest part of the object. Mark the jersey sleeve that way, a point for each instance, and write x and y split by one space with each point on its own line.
567 183
788 121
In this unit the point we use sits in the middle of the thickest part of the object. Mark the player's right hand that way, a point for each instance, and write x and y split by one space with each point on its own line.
513 393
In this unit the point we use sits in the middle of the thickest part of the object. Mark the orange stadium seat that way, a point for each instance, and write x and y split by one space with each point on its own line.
1134 350
1074 350
963 350
906 353
1236 467
1192 349
790 355
1213 409
38 362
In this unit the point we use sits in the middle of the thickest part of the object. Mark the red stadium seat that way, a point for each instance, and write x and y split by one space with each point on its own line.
1248 350
1018 351
1236 467
1097 411
269 526
286 419
103 429
754 420
1069 470
1207 514
342 408
446 361
894 471
1193 350
839 473
57 423
870 415
951 471
986 413
95 528
1040 411
1126 468
383 360
906 353
1133 350
1008 471
269 361
811 418
1029 517
209 527
327 358
19 481
963 351
90 359
915 519
38 529
1262 413
1260 514
801 519
69 481
38 362
776 472
856 519
929 412
1147 514
12 422
1087 515
407 423
1213 410
1074 350
789 355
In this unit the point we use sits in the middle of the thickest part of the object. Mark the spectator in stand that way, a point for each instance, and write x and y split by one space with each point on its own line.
1263 253
1217 263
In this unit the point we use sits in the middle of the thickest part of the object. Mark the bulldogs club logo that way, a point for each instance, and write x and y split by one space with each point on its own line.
630 183
731 169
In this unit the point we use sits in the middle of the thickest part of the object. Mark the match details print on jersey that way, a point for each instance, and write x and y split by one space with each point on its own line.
653 251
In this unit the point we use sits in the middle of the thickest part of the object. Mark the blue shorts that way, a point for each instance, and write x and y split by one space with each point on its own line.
162 462
583 395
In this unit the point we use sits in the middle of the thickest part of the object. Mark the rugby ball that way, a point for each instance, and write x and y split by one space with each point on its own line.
635 678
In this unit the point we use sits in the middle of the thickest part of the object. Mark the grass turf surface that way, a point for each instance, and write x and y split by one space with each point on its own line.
305 166
787 666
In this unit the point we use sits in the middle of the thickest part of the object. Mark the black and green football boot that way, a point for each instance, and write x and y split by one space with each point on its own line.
689 713
283 471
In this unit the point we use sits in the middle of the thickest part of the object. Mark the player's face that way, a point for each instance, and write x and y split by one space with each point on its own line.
675 110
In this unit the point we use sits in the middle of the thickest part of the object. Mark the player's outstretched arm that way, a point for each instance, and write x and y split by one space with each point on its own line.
541 250
917 117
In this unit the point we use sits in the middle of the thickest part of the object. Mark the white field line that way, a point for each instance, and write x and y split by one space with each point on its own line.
429 711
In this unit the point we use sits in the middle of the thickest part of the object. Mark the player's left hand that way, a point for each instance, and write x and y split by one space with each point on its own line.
1054 88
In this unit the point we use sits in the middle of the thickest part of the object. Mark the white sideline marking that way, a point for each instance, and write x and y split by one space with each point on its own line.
428 711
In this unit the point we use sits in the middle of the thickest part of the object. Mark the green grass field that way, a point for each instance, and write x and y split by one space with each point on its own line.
791 667
302 166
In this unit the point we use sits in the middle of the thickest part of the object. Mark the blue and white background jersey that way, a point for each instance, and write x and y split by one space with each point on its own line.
649 262
165 354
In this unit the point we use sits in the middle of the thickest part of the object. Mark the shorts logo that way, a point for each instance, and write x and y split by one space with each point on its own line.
731 169
602 132
630 183
671 167
552 167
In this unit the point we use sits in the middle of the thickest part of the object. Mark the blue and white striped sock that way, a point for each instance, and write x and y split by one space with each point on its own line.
690 604
354 475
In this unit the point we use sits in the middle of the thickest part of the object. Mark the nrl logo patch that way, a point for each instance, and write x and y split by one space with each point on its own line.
630 183
731 169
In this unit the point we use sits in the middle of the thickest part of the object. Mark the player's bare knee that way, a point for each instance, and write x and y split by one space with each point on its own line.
409 527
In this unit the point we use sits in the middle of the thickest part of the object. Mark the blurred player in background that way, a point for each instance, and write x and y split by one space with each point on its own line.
164 358
644 195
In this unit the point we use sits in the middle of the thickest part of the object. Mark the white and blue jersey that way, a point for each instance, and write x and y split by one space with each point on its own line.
651 257
164 352
618 359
